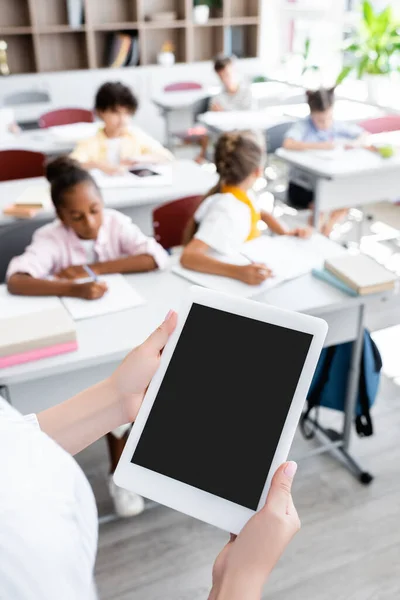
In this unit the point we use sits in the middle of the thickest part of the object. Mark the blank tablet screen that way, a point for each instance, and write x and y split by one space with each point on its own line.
220 410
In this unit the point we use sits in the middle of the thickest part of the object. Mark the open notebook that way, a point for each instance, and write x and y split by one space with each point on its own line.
33 328
288 257
120 296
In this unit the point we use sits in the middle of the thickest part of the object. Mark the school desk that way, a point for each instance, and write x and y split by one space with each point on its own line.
189 179
220 122
104 341
51 141
348 178
344 110
264 93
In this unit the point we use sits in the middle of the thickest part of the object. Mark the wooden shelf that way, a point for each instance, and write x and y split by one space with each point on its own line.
208 42
211 23
40 38
243 8
20 53
127 26
65 52
59 29
163 25
22 30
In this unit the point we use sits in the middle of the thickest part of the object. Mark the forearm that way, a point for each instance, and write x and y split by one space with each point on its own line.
25 285
273 223
204 263
85 418
130 264
290 144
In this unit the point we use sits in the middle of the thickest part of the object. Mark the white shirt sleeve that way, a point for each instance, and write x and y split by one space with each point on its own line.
224 223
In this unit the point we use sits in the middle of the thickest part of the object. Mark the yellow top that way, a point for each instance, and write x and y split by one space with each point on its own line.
134 143
255 214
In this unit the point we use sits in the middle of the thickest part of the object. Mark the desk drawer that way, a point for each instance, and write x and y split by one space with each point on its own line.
342 325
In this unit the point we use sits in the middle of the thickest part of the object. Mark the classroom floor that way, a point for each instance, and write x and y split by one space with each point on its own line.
349 545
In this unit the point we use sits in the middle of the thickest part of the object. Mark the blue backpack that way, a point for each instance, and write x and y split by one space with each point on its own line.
329 385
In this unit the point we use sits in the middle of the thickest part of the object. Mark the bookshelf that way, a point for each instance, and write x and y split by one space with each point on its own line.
40 38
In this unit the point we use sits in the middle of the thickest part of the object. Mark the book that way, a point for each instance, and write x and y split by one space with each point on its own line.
119 50
31 201
328 277
120 296
361 273
32 328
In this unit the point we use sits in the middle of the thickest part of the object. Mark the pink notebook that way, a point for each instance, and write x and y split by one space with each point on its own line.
31 355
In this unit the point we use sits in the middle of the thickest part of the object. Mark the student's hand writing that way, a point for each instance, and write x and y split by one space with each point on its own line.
326 146
254 274
90 290
244 565
74 272
131 379
301 232
216 107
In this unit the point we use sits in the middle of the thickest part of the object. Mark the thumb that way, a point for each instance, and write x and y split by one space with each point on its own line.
279 496
157 340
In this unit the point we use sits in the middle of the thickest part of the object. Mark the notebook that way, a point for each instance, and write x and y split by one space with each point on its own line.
32 328
288 257
361 273
120 296
328 277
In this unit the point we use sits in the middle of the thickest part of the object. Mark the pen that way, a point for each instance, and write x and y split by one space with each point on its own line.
252 262
91 273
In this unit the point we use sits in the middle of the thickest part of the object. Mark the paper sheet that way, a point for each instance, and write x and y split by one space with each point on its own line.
120 296
288 257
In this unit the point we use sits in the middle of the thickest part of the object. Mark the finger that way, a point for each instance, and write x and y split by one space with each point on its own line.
159 337
279 496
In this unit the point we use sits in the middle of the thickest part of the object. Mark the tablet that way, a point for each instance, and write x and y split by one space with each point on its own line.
221 412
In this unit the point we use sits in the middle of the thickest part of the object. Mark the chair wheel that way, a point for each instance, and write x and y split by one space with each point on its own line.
366 478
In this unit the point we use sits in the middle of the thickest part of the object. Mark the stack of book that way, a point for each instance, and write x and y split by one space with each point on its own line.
123 50
357 274
32 201
33 328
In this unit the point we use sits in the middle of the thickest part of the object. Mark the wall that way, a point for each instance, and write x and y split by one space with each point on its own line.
77 88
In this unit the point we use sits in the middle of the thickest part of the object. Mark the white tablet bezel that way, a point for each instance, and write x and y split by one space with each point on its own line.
183 497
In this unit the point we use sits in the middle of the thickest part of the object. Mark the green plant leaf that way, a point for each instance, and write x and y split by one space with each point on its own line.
369 15
363 66
343 74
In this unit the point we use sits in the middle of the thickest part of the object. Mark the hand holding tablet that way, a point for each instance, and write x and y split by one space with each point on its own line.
221 412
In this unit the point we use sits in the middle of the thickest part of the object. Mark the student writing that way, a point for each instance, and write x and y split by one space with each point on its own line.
118 144
319 131
235 94
229 215
84 234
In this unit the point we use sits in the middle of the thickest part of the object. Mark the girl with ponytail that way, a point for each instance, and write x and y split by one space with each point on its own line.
229 215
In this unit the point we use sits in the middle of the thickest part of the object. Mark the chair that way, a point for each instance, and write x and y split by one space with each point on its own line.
192 134
26 97
275 135
381 124
21 164
170 220
183 86
14 238
65 116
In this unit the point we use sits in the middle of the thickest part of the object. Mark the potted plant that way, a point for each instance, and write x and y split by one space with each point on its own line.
202 9
373 51
166 56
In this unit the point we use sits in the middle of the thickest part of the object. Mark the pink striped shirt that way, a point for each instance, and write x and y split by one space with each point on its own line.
55 247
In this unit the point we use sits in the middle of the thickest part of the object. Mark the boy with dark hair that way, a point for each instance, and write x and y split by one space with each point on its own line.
118 144
235 95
